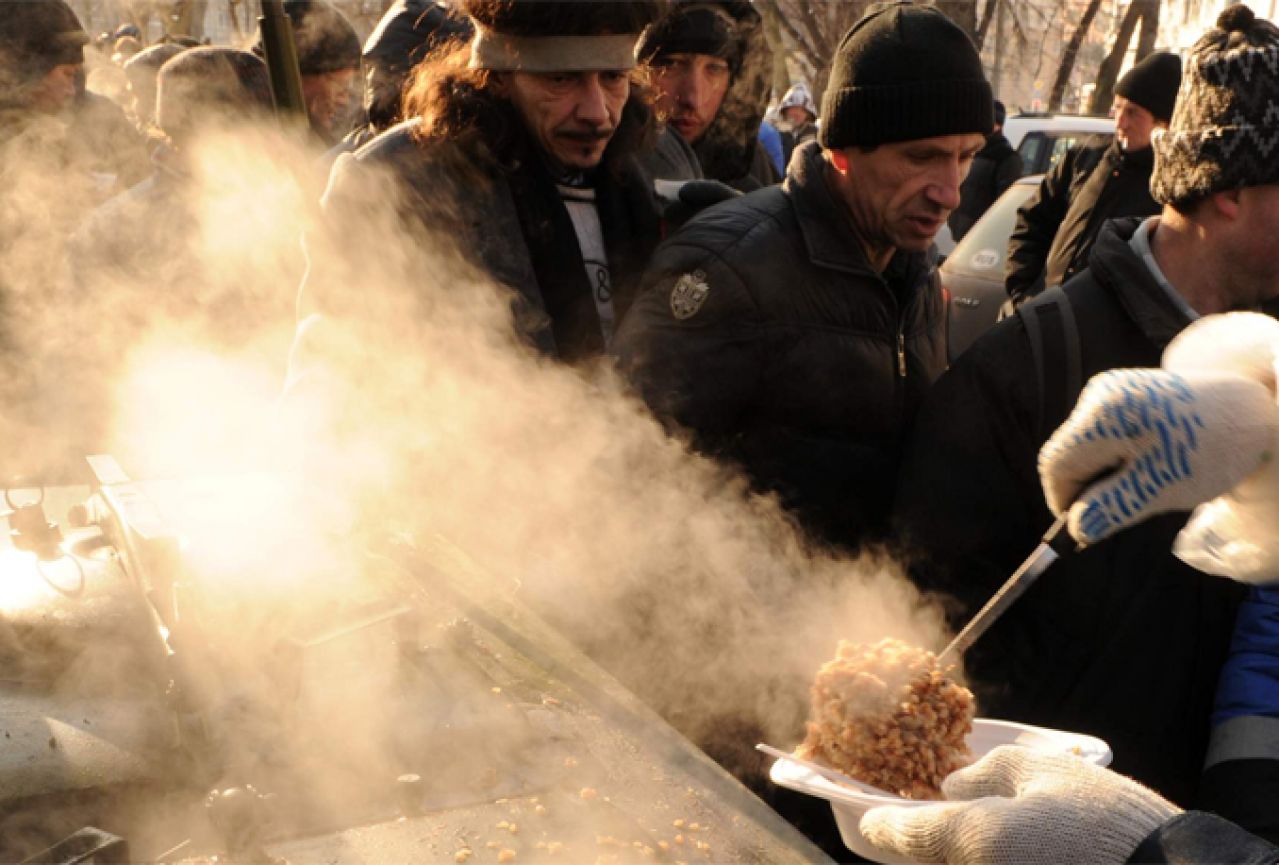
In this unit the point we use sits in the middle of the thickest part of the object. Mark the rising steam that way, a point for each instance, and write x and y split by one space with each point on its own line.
417 413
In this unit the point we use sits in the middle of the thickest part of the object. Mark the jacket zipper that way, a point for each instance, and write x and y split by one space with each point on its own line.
901 353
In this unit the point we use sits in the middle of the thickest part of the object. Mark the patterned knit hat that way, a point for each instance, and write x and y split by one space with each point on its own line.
1224 132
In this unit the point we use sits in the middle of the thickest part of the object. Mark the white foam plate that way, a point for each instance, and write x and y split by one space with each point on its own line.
850 803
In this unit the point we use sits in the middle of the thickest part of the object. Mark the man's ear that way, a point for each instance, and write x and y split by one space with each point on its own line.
1227 203
839 159
501 82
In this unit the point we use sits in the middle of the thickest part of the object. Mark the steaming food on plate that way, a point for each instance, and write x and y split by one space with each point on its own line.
887 715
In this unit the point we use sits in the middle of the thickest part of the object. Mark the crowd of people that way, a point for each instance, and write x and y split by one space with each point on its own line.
769 289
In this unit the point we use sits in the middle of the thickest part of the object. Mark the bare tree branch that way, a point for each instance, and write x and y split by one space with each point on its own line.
1108 73
987 15
1149 28
1067 65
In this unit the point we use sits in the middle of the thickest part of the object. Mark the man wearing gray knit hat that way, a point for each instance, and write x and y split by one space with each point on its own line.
794 330
1125 641
1225 129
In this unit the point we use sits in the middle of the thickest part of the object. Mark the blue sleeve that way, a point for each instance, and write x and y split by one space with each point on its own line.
772 141
1249 680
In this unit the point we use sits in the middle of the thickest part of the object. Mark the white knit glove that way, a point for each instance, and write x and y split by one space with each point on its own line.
1159 441
1021 807
1234 534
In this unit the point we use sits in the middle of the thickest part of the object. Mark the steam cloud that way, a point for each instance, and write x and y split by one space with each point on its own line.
421 415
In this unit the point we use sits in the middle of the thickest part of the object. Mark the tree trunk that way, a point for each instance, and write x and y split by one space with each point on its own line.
773 33
1068 56
1149 28
993 8
1108 72
186 18
997 68
963 13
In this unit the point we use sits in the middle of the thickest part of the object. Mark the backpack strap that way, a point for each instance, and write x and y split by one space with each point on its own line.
1050 324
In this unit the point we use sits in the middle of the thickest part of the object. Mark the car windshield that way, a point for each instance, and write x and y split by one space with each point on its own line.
984 247
1041 150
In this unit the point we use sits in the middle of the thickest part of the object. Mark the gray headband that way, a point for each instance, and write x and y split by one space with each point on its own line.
587 53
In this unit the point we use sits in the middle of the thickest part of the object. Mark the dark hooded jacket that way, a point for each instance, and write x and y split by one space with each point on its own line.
1122 640
995 167
408 31
1056 228
763 329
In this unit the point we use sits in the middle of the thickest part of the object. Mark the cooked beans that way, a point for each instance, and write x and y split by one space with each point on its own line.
885 714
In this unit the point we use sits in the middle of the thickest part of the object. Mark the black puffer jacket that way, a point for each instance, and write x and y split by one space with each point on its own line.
1056 228
1122 640
762 327
994 169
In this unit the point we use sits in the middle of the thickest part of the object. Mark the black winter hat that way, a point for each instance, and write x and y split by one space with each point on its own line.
1225 129
1001 113
37 35
693 28
325 40
1153 84
212 85
411 29
904 72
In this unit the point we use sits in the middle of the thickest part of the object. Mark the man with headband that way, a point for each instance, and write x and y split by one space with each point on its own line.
522 150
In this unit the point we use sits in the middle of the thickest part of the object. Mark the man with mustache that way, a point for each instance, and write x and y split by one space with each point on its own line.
522 153
795 329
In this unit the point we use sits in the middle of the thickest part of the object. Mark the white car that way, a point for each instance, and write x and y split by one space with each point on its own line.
1040 140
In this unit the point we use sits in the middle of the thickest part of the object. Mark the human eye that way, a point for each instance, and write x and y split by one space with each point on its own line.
558 80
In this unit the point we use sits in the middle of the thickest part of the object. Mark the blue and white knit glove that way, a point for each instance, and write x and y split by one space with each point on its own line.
1159 441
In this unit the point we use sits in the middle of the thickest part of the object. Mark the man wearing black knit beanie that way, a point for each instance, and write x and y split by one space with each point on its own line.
794 330
1095 181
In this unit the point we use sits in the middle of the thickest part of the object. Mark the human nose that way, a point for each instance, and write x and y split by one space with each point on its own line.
693 90
944 190
592 106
